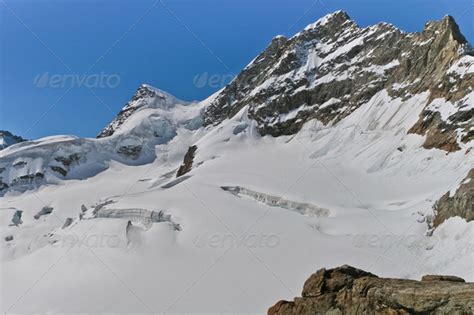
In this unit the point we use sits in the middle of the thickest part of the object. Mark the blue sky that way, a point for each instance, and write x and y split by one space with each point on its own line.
178 47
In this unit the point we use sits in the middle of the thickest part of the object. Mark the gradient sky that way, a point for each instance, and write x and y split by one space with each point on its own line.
189 48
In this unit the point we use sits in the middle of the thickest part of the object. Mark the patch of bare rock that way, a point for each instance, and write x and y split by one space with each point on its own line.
348 290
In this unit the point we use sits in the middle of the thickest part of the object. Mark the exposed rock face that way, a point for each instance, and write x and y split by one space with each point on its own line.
59 169
7 139
67 223
188 161
333 67
347 290
437 122
65 163
30 179
141 94
460 204
68 160
16 220
130 151
44 211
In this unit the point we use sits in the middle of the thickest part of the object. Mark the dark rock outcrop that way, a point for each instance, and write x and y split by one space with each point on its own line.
142 94
29 179
16 219
3 185
58 169
67 223
44 211
19 164
68 160
130 151
460 204
347 290
7 139
188 161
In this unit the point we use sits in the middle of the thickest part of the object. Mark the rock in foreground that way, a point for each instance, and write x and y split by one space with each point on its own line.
347 290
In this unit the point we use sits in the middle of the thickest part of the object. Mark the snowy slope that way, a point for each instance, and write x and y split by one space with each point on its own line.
119 233
375 195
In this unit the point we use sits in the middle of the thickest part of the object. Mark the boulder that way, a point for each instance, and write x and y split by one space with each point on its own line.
348 290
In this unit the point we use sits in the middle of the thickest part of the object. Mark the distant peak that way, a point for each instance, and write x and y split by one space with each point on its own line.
279 37
6 133
152 89
333 20
146 90
7 139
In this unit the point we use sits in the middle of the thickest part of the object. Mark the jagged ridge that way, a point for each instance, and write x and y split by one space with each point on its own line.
333 67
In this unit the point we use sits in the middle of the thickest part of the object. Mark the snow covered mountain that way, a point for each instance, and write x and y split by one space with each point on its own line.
340 145
7 139
334 67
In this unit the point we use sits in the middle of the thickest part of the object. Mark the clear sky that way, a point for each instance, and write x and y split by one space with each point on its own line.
189 48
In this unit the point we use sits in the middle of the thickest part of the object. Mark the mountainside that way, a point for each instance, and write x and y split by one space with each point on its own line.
333 67
339 145
7 139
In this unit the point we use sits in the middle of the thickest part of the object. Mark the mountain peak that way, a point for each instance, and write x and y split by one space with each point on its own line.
146 96
333 67
335 19
446 26
163 98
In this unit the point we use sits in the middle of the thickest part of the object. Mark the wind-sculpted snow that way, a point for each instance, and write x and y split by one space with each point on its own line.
275 201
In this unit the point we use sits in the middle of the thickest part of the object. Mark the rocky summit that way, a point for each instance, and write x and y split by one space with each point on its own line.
333 67
347 290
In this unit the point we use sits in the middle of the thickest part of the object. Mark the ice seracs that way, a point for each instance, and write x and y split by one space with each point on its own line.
152 118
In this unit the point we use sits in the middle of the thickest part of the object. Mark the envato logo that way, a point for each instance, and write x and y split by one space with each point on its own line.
218 240
212 80
57 81
206 79
389 240
101 240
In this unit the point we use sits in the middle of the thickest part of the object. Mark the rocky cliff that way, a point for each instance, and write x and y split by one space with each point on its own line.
347 290
461 203
332 67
